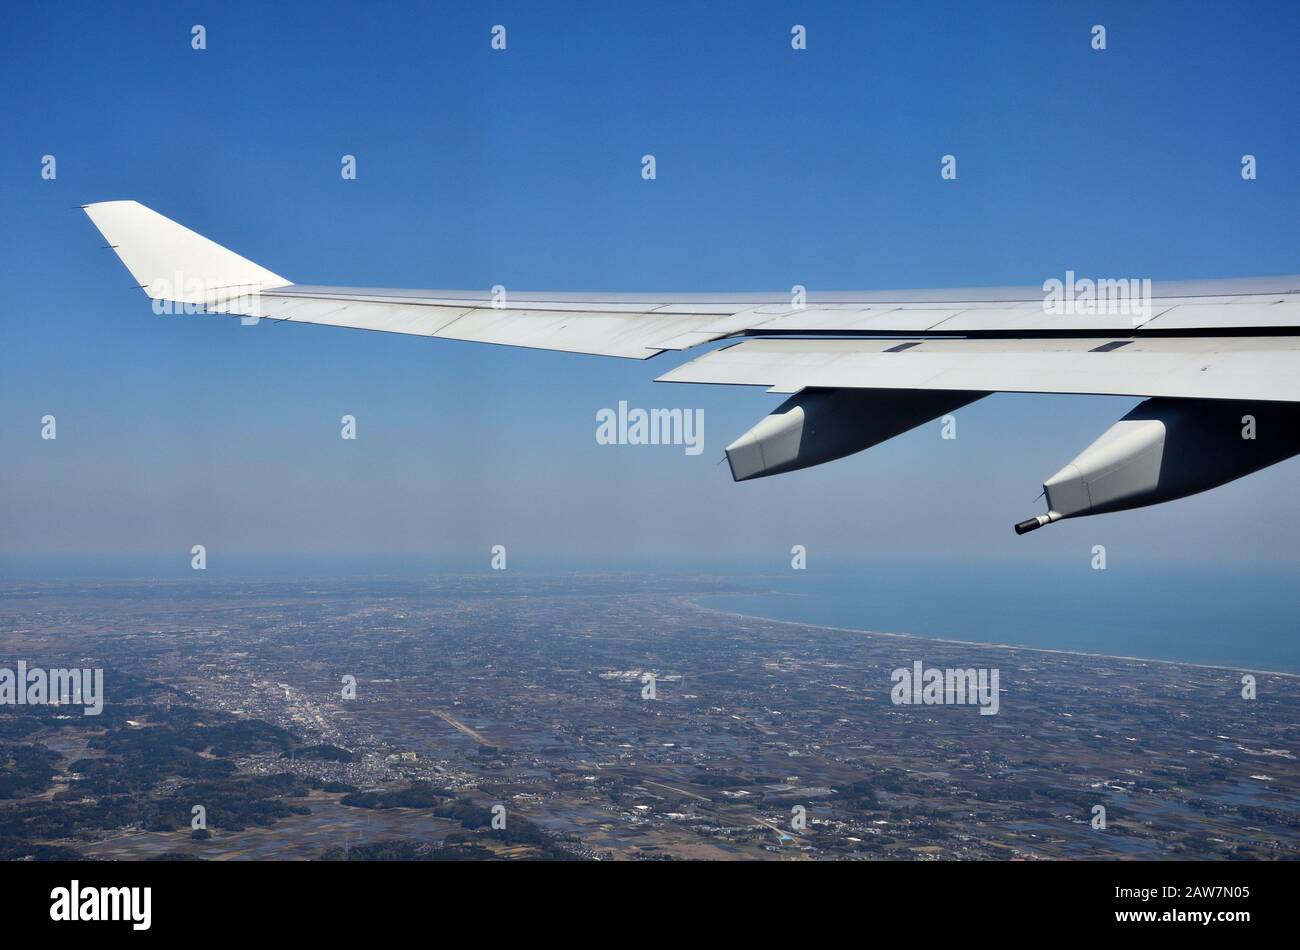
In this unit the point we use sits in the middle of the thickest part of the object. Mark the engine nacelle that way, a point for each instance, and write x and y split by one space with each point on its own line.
1170 448
820 425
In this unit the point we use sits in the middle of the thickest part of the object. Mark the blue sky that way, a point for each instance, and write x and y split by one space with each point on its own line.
522 167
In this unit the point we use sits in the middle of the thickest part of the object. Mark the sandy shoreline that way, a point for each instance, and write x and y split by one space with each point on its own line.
693 600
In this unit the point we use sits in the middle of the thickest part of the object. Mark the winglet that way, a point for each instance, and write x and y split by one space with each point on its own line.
171 262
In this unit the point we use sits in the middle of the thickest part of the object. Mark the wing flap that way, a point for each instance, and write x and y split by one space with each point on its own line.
1253 368
637 335
606 334
1246 314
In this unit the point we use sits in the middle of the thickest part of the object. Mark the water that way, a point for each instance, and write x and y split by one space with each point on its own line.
1239 617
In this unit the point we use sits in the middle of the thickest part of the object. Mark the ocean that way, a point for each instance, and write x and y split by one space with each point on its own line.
1238 617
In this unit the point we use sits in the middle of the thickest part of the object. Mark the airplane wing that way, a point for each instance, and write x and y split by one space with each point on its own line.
1219 359
1250 367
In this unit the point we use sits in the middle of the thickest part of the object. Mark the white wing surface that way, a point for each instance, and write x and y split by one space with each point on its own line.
1219 360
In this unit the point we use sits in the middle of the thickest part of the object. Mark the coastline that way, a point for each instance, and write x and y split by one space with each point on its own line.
693 600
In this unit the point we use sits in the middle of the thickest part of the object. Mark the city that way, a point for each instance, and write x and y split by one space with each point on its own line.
605 716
